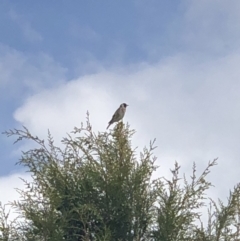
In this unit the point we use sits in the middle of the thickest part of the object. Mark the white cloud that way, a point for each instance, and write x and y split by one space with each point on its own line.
191 108
8 186
64 107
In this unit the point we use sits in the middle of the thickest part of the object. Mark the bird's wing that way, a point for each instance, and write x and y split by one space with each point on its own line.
116 116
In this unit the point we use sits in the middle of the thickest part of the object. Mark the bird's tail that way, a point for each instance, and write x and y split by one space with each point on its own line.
109 123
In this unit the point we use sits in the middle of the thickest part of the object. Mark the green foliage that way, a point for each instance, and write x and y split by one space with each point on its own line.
95 187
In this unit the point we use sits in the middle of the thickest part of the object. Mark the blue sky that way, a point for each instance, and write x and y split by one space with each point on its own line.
176 63
91 29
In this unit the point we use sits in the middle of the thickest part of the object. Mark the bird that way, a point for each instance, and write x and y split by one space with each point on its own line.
119 114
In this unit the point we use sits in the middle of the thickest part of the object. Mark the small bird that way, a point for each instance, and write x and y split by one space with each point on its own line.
119 114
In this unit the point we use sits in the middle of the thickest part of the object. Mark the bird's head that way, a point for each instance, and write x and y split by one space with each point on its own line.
123 105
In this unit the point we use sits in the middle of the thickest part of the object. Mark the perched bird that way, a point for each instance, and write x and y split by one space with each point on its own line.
119 114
